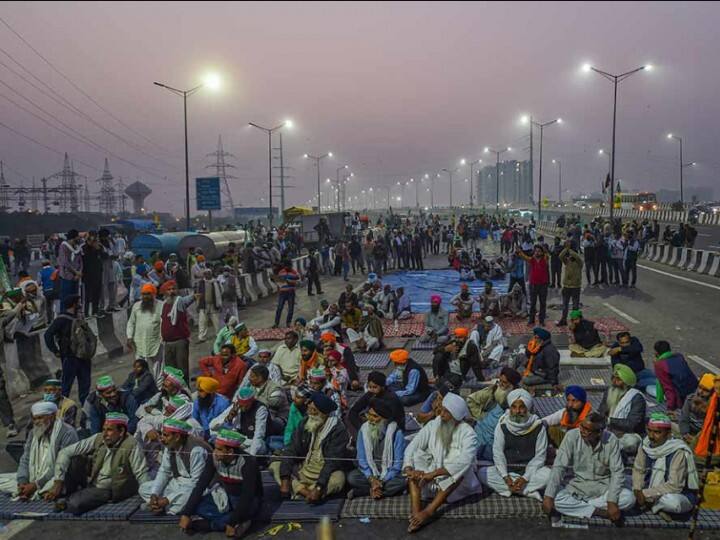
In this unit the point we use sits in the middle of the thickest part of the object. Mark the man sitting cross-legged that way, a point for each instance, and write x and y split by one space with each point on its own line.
624 406
440 462
596 487
570 416
311 465
116 466
380 448
664 476
519 451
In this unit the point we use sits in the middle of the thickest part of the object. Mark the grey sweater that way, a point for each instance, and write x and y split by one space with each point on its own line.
66 437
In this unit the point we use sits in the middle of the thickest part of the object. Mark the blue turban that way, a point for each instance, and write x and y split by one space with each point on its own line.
323 403
541 333
578 392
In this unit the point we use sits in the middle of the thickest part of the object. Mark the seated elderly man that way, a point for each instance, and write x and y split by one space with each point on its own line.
437 322
185 462
463 302
519 451
543 360
440 462
249 417
115 463
493 344
43 444
106 398
264 358
385 300
380 450
403 305
624 406
67 408
586 339
209 404
369 335
311 466
692 414
596 486
482 401
664 477
569 417
489 301
408 380
513 303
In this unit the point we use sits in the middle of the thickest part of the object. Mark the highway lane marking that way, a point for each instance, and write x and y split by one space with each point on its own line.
703 234
621 313
704 363
696 282
13 528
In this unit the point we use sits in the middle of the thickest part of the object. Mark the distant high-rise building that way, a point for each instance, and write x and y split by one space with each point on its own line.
515 186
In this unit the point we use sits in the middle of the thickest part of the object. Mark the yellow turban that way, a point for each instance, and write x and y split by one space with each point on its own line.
707 381
207 384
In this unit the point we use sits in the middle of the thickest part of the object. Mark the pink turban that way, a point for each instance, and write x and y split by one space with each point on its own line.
435 299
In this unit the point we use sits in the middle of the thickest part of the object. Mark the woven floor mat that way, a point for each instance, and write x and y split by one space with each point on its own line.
588 378
707 520
475 507
424 358
268 334
412 327
545 406
417 346
513 327
120 511
373 360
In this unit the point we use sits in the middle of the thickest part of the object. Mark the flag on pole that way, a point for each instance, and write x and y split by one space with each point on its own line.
606 185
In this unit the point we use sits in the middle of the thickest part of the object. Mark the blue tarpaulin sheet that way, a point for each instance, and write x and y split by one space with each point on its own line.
446 283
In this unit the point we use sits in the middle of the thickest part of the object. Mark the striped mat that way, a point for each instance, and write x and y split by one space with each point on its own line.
120 511
707 520
545 406
588 378
372 360
475 507
422 357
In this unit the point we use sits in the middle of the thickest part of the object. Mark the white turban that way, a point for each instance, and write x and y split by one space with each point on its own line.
27 283
522 394
43 408
456 406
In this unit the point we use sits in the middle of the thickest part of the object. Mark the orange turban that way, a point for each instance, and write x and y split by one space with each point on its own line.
148 288
200 258
159 265
208 384
461 332
328 336
399 356
165 287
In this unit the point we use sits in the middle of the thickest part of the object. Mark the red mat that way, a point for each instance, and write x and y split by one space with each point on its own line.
268 334
412 327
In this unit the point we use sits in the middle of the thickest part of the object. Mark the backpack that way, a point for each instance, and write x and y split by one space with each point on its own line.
83 342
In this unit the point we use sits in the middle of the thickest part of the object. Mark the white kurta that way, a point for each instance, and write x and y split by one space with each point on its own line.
426 453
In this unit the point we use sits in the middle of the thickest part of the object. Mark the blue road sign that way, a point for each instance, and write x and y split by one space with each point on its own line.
208 193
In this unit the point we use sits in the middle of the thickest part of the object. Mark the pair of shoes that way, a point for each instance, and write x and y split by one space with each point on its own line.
310 294
321 292
274 326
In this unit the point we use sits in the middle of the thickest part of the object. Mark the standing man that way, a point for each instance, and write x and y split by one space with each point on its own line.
539 280
209 304
92 277
175 328
571 280
70 265
313 273
144 330
632 250
58 339
288 279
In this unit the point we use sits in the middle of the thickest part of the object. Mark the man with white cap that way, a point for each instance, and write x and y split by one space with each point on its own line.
493 345
42 446
440 462
519 451
116 464
664 477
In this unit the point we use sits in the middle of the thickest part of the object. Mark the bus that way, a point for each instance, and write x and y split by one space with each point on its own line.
643 201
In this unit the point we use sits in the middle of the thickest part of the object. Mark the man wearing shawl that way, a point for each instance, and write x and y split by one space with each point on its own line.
241 490
705 444
692 415
586 339
408 380
247 416
44 442
116 463
519 451
484 400
209 404
437 322
380 449
440 462
225 334
185 465
543 364
175 327
596 485
311 466
463 302
144 330
209 304
328 342
309 359
70 264
624 407
569 417
664 477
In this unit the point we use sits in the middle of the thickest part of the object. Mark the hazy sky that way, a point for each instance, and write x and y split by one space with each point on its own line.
393 89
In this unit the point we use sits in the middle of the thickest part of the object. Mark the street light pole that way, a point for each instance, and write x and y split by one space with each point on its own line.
184 94
450 175
559 164
269 132
542 127
615 79
497 153
682 165
337 184
317 160
472 194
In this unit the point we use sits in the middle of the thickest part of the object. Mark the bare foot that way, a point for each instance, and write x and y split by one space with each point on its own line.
417 521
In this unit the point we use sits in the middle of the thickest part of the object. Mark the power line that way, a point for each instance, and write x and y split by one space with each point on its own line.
74 85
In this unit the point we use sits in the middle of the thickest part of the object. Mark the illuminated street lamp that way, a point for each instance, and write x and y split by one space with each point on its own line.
213 82
615 79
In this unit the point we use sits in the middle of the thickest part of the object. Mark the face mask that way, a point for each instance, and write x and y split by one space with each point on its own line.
50 397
